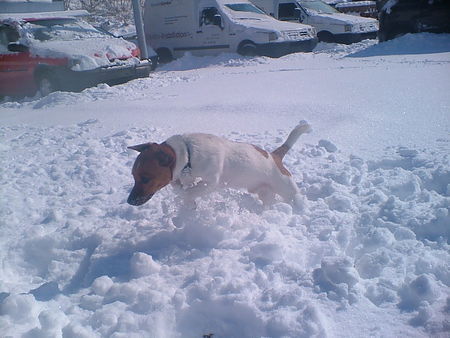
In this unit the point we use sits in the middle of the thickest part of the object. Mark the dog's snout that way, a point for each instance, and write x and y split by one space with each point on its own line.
138 200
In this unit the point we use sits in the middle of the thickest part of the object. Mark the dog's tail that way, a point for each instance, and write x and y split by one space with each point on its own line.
302 128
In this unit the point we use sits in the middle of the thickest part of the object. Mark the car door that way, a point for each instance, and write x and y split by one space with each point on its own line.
16 67
211 34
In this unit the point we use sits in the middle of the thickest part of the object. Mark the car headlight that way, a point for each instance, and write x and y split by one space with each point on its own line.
348 28
269 35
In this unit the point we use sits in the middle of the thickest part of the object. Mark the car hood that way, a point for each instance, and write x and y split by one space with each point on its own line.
87 54
265 22
341 18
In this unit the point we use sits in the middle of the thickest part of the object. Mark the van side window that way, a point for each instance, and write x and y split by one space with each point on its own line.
288 11
210 16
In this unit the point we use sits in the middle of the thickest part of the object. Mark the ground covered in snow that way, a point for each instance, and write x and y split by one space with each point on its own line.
365 254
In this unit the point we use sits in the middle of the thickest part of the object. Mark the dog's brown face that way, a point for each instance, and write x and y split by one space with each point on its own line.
152 171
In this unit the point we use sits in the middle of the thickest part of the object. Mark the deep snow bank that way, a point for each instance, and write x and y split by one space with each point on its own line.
370 242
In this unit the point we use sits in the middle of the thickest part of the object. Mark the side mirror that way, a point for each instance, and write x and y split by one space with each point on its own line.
217 20
298 14
17 47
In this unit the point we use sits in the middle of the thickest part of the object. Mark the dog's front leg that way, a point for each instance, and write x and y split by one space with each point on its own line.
189 195
202 188
265 194
182 195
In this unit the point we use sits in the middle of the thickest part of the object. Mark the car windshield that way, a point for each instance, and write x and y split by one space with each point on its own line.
244 8
318 6
62 29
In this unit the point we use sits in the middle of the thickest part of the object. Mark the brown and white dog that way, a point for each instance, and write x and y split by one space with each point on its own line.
200 163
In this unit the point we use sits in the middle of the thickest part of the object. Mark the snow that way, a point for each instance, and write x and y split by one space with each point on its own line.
79 42
365 253
28 0
89 54
354 3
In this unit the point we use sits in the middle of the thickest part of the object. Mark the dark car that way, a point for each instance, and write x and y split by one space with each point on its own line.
398 17
45 54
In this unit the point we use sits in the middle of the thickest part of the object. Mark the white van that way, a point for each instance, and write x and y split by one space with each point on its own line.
331 25
205 27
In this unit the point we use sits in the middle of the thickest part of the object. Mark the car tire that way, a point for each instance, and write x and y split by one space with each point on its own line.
325 36
46 84
247 49
164 55
382 36
154 60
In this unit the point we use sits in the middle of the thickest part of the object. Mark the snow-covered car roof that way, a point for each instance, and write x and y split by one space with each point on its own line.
44 15
355 3
75 39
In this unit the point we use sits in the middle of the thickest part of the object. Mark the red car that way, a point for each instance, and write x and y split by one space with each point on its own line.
46 54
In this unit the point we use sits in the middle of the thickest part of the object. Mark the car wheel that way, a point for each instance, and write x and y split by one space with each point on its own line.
247 49
154 60
164 55
325 36
46 84
382 36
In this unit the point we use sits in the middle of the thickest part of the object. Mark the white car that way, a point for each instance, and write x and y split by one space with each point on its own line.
205 27
331 25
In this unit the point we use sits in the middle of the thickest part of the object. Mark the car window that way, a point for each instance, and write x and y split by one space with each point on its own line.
62 29
244 8
318 6
7 35
288 11
207 16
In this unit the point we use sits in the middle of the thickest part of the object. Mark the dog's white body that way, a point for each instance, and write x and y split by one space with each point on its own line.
206 162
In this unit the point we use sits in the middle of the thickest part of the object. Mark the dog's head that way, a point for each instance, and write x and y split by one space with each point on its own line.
152 171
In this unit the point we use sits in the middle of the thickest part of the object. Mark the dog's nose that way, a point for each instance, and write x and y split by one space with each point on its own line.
138 200
132 201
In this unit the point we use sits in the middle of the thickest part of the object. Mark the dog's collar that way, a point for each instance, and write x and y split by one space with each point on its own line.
187 168
183 151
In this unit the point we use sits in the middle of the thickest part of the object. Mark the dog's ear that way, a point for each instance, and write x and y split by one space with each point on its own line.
141 147
164 158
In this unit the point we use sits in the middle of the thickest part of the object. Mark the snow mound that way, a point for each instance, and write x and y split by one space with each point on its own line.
138 89
421 43
188 61
80 262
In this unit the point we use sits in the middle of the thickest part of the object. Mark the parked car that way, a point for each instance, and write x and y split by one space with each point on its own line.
367 9
132 37
398 17
215 26
46 52
331 25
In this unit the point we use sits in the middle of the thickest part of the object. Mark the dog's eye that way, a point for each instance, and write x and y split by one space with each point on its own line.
145 180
